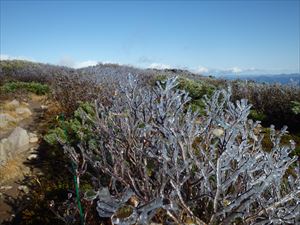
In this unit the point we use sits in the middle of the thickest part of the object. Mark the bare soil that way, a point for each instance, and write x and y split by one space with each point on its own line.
20 168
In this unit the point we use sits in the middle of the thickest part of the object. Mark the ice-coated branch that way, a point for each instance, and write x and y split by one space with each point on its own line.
154 155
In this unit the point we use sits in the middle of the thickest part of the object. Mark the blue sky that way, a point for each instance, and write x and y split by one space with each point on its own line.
205 36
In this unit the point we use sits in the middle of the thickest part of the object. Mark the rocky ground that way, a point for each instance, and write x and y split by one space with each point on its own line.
21 123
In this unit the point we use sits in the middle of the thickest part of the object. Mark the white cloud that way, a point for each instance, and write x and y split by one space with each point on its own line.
202 70
9 57
227 71
236 70
70 62
67 61
159 66
85 64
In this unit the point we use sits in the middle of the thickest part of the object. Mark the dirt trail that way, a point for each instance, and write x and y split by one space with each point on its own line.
17 169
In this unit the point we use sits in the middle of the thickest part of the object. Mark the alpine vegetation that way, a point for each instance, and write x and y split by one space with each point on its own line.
151 158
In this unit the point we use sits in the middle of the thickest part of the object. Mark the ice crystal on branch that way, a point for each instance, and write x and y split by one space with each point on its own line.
153 156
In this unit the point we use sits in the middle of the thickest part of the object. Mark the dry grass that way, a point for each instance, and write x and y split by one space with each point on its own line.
13 169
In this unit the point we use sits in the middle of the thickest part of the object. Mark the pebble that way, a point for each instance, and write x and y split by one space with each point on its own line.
23 188
44 107
32 156
5 187
33 140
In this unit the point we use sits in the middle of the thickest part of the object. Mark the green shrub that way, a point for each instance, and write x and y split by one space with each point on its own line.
267 144
196 89
256 115
296 107
34 87
74 129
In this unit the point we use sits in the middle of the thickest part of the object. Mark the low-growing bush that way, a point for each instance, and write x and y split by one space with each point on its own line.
256 115
34 87
296 107
70 130
153 160
70 91
273 101
26 71
196 89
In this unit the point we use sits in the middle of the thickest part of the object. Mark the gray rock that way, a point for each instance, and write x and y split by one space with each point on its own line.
3 123
9 146
13 104
18 138
5 118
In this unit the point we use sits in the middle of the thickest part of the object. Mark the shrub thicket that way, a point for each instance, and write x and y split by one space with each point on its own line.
272 102
70 91
150 159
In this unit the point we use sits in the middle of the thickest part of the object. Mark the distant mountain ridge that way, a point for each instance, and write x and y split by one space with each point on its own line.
293 78
109 72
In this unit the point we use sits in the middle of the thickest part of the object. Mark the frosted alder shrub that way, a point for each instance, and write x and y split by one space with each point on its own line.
152 159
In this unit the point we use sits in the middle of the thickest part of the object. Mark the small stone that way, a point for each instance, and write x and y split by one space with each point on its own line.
32 135
32 156
33 140
23 188
44 107
7 187
23 111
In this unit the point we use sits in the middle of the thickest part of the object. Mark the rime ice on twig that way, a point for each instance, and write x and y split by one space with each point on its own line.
210 168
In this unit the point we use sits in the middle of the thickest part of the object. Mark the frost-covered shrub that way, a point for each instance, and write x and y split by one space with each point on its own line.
152 160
